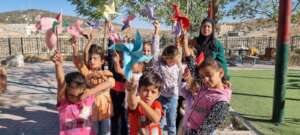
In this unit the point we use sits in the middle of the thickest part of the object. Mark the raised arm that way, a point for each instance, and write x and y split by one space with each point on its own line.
117 64
132 100
76 58
153 114
87 47
155 41
60 76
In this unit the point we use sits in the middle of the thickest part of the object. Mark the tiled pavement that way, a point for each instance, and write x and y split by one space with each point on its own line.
28 106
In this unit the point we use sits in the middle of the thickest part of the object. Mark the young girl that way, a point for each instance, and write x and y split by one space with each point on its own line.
171 72
170 69
94 58
74 101
211 104
149 48
145 111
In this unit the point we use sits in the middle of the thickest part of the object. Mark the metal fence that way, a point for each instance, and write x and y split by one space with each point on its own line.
261 43
36 45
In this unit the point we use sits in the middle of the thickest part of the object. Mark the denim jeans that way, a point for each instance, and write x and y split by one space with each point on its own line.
168 121
104 127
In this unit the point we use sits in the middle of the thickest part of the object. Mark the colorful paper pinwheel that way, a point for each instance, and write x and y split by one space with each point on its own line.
132 53
53 27
127 21
109 10
148 11
178 17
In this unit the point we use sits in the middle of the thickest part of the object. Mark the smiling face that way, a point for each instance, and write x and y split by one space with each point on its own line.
147 49
212 77
206 29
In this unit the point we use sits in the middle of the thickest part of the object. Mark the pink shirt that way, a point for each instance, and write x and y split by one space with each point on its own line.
75 119
203 103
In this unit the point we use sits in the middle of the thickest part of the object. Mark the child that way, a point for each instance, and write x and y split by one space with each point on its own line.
211 104
94 57
145 110
149 48
74 102
119 125
171 72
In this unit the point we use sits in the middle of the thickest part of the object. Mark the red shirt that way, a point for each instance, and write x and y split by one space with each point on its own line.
139 124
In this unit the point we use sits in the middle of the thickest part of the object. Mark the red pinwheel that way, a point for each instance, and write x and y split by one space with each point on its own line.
127 22
178 17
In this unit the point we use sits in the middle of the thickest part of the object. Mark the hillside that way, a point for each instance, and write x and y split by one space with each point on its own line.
28 16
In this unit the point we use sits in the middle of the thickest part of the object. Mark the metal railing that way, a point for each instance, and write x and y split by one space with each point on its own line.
37 45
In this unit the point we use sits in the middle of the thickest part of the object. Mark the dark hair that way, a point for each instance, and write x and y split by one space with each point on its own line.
206 44
147 43
75 77
210 62
170 51
95 49
149 79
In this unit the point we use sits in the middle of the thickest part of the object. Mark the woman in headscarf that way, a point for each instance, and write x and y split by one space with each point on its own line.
207 45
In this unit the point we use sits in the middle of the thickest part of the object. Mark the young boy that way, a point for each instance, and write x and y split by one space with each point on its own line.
145 111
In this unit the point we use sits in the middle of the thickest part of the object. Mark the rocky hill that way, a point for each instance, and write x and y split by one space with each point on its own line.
28 16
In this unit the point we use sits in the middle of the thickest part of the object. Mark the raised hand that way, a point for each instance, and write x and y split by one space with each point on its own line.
57 57
131 85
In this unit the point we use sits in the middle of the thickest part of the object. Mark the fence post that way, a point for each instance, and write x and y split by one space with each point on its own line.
270 40
37 45
292 44
9 46
22 46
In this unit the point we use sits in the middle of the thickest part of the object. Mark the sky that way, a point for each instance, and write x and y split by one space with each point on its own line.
67 9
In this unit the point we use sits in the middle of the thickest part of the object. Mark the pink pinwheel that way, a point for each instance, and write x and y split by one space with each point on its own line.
53 27
51 39
75 30
127 22
45 23
148 11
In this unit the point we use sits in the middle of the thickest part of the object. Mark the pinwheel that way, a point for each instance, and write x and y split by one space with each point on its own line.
132 53
75 30
127 22
179 18
148 11
94 24
109 10
53 27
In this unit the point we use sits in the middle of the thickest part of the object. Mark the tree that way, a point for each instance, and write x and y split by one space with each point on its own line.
196 9
249 9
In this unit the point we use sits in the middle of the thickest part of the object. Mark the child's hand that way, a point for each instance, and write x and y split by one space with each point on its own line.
131 85
116 57
57 57
187 75
84 95
156 25
73 41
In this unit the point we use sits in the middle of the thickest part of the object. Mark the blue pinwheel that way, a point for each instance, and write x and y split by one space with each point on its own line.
132 53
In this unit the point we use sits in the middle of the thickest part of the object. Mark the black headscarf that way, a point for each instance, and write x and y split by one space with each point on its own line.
206 44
